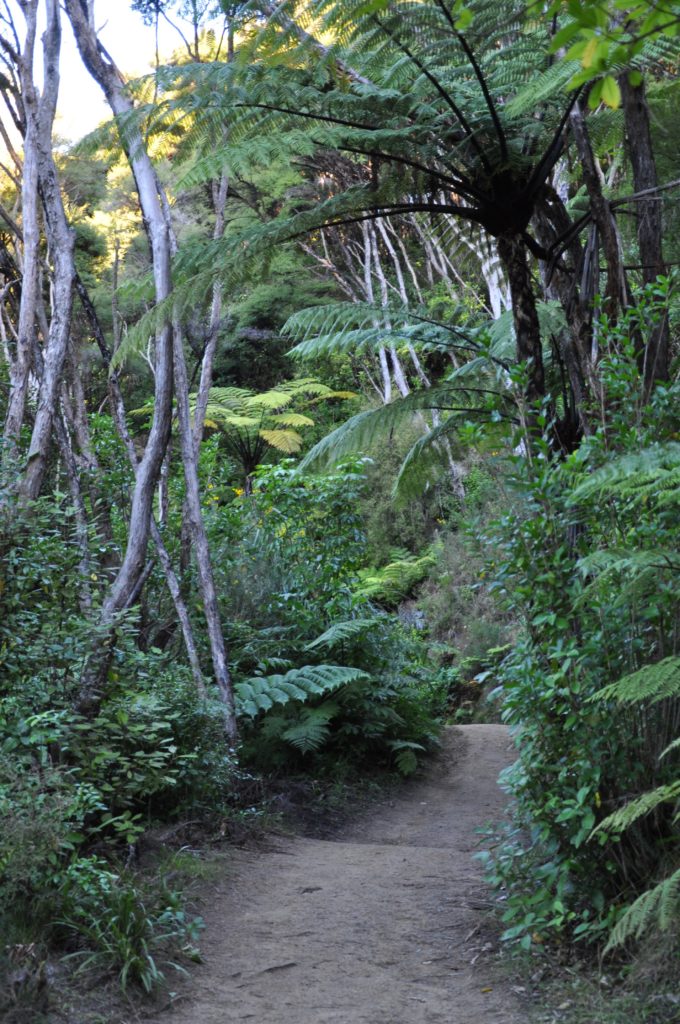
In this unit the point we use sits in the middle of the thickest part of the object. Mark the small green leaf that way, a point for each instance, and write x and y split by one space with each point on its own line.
611 93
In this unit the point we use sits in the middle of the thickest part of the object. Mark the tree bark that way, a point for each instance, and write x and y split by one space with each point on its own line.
117 407
199 538
649 214
513 255
617 294
21 365
61 242
123 587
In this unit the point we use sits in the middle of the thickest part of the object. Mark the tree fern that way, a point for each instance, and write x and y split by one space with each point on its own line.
625 816
312 728
656 908
651 683
342 632
260 693
395 581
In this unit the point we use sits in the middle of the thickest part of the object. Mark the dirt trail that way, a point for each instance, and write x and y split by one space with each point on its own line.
383 925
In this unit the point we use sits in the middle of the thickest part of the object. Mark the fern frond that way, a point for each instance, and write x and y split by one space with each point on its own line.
357 326
341 632
426 462
394 582
652 474
312 729
406 755
287 441
359 432
625 816
657 908
291 419
650 683
260 693
675 745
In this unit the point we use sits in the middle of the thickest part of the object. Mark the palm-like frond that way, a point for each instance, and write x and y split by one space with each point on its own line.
626 816
394 582
312 728
651 475
260 693
656 908
342 632
651 683
248 418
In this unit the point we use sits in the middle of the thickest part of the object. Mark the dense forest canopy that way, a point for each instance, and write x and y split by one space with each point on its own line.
339 381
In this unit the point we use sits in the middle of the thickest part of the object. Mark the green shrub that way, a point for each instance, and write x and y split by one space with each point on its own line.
572 561
123 928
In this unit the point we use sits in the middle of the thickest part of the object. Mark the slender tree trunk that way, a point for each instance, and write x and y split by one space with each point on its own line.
190 448
61 242
200 543
220 190
21 365
649 213
117 407
617 294
80 513
123 587
168 349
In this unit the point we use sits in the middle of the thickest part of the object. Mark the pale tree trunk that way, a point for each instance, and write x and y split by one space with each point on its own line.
386 394
219 194
190 448
199 538
123 588
169 349
60 241
117 406
21 365
455 470
189 441
82 534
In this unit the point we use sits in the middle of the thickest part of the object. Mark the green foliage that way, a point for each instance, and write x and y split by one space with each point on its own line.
389 585
260 693
605 39
651 683
583 560
657 907
341 632
293 554
125 930
253 423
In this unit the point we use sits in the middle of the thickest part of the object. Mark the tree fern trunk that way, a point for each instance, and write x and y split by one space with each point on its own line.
513 255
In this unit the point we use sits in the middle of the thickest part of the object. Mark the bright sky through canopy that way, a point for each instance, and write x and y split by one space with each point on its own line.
131 44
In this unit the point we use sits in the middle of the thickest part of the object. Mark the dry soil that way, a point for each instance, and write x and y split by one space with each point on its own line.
385 924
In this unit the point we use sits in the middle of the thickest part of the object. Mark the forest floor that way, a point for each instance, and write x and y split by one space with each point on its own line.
388 922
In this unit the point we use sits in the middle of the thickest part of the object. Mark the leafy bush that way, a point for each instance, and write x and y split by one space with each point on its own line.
123 929
392 583
571 560
321 675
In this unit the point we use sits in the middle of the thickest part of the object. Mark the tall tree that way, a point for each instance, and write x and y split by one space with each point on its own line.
169 352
